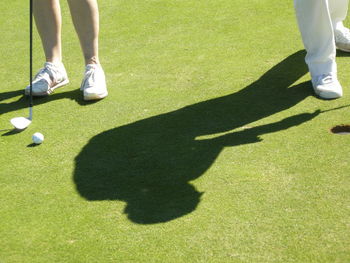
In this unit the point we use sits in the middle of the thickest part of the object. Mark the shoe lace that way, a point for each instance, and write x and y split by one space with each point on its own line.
325 78
47 73
41 73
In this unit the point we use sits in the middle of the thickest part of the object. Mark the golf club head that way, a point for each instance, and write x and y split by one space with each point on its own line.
20 123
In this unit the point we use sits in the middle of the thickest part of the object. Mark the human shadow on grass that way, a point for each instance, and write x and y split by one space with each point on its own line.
150 163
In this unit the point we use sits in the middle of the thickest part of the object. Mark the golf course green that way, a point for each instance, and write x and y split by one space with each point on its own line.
211 146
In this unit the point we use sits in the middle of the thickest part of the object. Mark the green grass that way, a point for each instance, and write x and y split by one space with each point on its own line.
209 148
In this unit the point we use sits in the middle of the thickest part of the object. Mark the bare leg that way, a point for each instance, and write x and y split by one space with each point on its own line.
47 14
85 18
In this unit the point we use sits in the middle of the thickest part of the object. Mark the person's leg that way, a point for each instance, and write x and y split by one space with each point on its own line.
338 10
85 18
47 14
317 33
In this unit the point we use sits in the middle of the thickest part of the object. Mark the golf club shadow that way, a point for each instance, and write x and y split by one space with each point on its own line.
59 95
10 94
23 102
150 164
12 132
75 95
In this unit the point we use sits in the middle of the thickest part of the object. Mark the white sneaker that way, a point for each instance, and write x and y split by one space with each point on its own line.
49 78
94 83
327 86
342 39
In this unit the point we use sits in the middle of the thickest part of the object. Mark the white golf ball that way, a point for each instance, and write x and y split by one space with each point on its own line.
38 138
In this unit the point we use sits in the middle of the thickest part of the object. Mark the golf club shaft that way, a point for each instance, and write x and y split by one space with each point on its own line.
30 57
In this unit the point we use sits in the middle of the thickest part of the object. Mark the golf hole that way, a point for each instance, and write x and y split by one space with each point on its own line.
341 129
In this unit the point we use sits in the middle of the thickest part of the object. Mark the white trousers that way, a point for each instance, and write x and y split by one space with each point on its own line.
317 20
